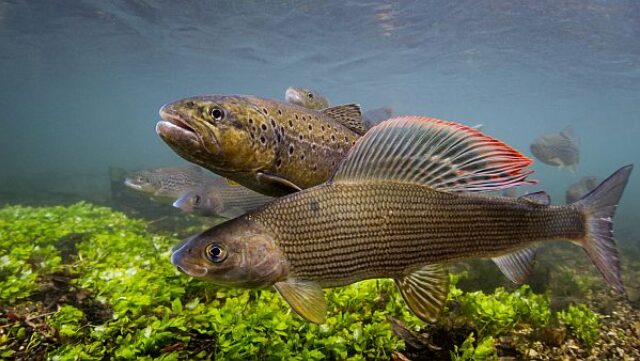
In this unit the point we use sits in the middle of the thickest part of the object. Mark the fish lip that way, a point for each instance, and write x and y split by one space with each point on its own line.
174 127
193 270
168 114
129 183
173 133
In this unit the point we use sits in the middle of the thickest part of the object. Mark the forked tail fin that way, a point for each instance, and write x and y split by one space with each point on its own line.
599 207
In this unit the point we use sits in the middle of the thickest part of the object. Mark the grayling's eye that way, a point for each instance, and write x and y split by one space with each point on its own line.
196 200
217 113
310 95
215 253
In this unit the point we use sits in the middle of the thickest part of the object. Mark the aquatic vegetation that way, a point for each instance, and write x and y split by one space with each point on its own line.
494 314
582 322
483 350
86 282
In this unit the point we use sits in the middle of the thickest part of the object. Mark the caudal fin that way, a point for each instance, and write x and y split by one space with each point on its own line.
599 207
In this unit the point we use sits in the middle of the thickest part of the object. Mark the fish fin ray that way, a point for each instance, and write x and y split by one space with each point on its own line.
274 180
516 266
598 208
440 154
305 298
425 291
540 197
348 115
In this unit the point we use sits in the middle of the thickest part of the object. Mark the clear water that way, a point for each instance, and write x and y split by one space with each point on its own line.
81 81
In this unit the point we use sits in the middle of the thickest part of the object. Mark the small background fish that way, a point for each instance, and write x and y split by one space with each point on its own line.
167 183
220 198
313 100
558 149
580 188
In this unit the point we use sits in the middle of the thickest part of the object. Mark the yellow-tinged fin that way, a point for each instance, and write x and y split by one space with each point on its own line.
516 266
305 298
425 291
440 154
232 183
541 198
598 208
279 182
348 115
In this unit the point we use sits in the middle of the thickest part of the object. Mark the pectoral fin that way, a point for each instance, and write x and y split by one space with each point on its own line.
278 182
516 266
348 115
305 298
425 291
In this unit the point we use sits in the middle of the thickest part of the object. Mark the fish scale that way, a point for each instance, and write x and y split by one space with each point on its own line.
391 228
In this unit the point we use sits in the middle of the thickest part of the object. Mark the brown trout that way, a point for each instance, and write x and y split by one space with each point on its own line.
221 198
401 205
270 147
168 183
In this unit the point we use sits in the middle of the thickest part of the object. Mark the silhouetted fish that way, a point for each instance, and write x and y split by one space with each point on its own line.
558 149
580 188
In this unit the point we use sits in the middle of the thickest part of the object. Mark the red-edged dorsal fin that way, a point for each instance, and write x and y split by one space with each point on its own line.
443 155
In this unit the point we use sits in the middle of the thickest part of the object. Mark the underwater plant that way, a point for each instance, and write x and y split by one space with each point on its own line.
582 322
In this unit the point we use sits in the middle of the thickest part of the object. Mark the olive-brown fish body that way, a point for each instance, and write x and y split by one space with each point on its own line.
385 229
271 147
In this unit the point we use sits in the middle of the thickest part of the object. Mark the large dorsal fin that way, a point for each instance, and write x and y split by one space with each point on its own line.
440 154
348 115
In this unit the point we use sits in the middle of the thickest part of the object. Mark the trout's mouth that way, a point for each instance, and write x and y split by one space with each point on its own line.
174 129
175 121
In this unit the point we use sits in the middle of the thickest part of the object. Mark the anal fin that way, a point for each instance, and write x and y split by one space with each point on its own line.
516 266
305 298
425 291
348 115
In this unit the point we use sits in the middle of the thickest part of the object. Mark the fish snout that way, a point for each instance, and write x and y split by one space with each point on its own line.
292 96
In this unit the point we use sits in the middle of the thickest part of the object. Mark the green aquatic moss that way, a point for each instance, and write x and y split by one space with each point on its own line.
483 350
582 322
85 282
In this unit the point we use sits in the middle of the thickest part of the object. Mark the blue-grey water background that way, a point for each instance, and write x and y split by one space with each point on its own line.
81 81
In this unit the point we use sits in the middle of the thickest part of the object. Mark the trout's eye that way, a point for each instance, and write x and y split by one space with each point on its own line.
217 113
196 200
215 253
310 95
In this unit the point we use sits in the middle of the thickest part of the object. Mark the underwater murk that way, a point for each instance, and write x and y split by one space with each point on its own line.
308 180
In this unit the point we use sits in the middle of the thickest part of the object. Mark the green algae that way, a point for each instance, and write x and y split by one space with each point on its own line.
86 282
